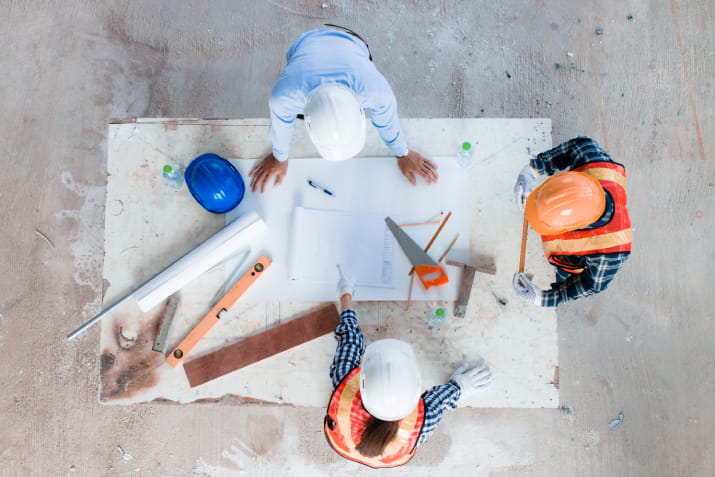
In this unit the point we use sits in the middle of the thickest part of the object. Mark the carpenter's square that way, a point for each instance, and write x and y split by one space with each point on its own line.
465 286
169 311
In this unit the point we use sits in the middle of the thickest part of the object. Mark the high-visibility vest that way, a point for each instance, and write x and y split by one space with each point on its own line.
347 418
613 237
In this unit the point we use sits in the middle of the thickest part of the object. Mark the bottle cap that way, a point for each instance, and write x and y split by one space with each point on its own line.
466 146
440 311
168 169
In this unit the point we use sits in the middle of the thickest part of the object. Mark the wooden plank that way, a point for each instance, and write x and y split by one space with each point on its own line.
261 346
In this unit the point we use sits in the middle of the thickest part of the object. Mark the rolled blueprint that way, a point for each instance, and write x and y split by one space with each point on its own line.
226 242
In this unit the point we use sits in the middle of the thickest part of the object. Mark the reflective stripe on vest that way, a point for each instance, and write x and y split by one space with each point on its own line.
346 413
616 236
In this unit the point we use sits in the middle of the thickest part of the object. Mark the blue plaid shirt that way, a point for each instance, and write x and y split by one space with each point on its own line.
351 346
600 269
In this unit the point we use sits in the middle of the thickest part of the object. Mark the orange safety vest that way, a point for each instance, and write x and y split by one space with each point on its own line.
347 418
613 237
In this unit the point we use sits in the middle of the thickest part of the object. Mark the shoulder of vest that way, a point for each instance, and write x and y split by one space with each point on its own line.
605 164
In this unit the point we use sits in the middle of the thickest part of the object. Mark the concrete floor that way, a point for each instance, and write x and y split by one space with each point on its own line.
643 89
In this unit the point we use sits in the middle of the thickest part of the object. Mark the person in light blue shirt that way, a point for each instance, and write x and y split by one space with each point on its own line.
330 81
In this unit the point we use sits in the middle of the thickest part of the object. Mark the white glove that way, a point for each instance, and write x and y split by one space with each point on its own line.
526 289
346 284
472 380
524 185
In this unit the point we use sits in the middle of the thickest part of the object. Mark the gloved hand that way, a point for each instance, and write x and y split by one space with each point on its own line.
524 185
471 380
346 284
526 289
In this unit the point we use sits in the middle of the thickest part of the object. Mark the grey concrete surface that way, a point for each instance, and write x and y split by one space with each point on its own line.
643 89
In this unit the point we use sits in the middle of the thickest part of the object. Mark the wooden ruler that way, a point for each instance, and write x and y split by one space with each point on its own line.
213 316
261 346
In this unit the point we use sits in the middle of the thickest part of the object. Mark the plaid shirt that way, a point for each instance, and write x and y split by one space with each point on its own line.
600 269
351 346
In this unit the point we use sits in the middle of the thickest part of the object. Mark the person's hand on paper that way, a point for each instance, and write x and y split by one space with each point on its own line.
414 163
346 289
268 168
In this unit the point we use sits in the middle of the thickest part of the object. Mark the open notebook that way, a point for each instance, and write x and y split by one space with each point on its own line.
360 242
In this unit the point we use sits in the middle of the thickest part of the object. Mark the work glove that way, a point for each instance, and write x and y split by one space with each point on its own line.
346 284
471 380
524 185
526 289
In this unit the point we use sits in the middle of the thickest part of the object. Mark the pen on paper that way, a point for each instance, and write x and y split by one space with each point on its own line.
320 187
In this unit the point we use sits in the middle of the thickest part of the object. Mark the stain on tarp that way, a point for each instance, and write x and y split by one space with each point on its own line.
171 125
555 381
591 318
567 413
106 361
130 367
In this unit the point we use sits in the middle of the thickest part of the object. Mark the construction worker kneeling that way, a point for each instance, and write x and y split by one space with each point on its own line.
378 414
582 217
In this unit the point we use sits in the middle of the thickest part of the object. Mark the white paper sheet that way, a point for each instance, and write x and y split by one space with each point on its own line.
360 186
361 243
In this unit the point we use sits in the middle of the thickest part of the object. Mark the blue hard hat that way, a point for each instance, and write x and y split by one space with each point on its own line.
214 183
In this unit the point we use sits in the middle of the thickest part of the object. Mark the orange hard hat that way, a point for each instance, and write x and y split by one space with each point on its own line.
564 202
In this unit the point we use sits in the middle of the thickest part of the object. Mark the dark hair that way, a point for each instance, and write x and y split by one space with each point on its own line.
376 435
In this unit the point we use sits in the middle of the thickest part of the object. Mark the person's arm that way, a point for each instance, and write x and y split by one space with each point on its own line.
351 343
280 132
463 383
285 104
600 271
573 153
438 400
287 101
383 115
351 346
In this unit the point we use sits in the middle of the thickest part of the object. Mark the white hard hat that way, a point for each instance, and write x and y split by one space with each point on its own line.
335 121
390 380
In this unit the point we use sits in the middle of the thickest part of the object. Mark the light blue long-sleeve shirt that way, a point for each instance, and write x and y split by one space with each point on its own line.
331 56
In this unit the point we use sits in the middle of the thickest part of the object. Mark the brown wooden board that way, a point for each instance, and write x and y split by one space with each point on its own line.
261 346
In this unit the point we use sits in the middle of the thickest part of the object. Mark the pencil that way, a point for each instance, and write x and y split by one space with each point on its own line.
434 237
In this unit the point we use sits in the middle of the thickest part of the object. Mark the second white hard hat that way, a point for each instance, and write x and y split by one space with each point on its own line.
335 121
390 380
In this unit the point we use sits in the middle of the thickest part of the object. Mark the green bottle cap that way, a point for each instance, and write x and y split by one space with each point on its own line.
168 169
467 146
439 312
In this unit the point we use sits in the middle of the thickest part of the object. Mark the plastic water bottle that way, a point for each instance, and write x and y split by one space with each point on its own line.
465 155
438 315
173 176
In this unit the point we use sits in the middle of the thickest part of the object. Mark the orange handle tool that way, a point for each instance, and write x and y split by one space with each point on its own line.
522 255
212 317
431 276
